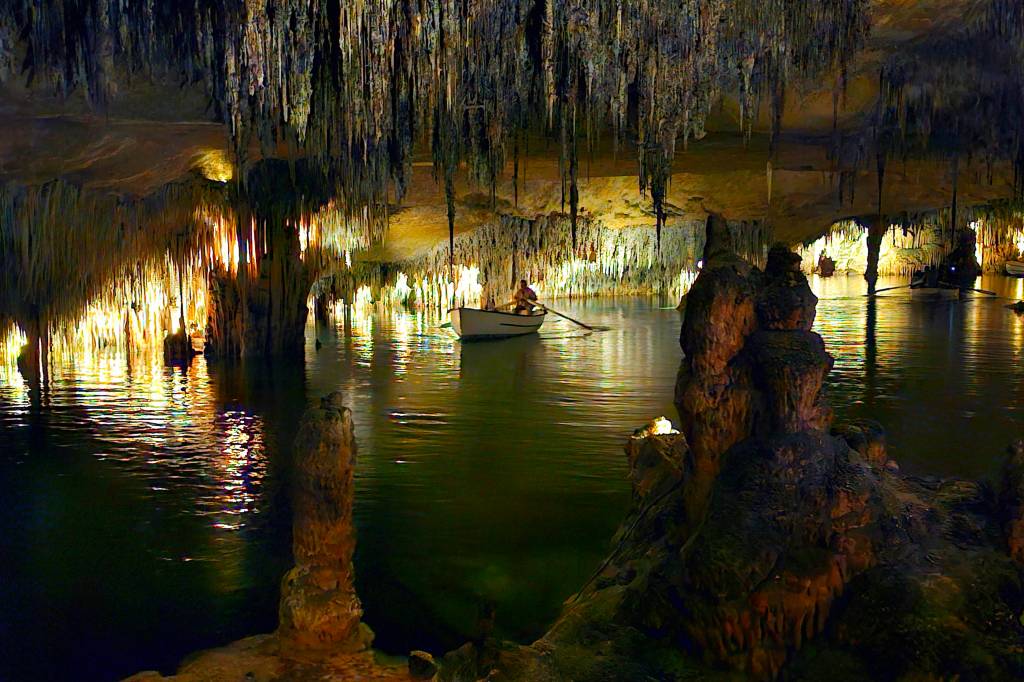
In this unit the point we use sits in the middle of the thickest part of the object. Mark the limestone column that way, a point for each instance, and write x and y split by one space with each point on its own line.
319 608
260 309
876 230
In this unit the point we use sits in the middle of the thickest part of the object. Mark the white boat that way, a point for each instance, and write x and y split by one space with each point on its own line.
1015 268
935 293
928 286
473 323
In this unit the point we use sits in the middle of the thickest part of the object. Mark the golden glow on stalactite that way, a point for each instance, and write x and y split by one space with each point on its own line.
472 79
215 165
131 316
139 306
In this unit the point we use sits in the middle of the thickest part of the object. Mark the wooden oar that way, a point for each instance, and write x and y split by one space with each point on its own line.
982 291
878 291
552 310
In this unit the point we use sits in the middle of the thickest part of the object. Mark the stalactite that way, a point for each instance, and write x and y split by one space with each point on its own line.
603 261
355 89
62 247
955 94
917 240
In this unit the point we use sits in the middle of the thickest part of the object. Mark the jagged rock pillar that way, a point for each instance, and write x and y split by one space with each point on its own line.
876 231
319 608
1011 501
712 395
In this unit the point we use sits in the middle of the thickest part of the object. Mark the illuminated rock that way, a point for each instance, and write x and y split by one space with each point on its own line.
789 369
797 537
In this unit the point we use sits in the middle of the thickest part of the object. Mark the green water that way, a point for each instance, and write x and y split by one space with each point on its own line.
144 513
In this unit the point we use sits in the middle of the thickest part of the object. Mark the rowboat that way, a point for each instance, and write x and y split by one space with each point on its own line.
927 286
939 293
1015 268
473 324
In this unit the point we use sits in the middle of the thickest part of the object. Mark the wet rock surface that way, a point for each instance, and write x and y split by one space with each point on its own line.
1011 501
761 545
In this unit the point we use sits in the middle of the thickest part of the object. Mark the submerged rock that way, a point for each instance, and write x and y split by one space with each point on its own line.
421 665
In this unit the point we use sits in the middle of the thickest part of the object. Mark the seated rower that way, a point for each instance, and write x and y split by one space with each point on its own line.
524 298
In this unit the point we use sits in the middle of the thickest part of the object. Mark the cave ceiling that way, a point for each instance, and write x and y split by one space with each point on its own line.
809 156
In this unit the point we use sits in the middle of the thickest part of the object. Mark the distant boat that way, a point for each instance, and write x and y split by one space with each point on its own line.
1014 268
473 324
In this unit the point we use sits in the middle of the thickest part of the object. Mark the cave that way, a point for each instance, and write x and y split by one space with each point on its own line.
523 340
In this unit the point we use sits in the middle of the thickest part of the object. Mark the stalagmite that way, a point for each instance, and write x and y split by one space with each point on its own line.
319 608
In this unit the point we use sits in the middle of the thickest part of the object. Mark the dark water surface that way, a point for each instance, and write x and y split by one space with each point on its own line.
143 512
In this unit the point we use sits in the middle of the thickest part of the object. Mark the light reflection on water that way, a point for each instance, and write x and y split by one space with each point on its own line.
944 378
144 509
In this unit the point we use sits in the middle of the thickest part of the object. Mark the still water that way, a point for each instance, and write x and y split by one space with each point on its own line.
144 512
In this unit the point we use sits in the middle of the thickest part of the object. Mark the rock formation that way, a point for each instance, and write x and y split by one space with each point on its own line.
1011 501
759 543
261 311
319 606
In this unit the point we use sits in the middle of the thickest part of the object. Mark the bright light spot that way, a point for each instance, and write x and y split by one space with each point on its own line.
468 288
364 297
11 342
662 427
401 290
215 165
656 427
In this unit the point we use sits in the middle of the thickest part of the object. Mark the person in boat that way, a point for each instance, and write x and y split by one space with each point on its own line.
524 298
961 266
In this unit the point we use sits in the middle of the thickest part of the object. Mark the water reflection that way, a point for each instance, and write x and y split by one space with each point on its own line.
137 517
144 508
944 378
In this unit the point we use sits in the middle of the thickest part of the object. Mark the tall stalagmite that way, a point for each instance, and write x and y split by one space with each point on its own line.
319 607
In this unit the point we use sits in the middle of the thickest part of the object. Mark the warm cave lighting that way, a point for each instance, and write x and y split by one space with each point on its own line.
659 426
274 406
215 165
